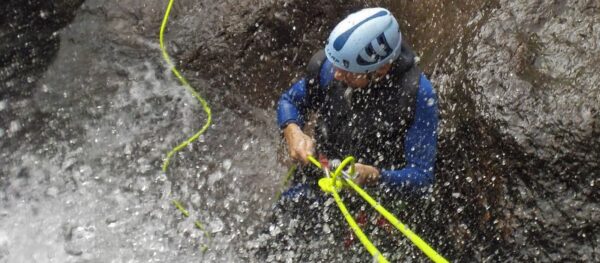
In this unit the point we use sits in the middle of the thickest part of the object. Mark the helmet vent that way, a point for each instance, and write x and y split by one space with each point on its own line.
375 53
341 40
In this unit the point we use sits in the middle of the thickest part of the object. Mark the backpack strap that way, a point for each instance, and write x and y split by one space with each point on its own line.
313 70
314 66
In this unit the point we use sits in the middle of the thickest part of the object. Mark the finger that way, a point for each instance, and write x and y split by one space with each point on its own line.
310 147
357 180
298 155
304 157
300 151
360 179
307 149
371 178
360 170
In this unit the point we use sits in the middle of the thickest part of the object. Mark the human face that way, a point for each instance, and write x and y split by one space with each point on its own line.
360 80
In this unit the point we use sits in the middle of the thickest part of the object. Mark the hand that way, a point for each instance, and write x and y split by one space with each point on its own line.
366 174
300 145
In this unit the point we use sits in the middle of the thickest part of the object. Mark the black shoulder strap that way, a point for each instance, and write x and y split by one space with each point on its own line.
314 65
406 60
312 78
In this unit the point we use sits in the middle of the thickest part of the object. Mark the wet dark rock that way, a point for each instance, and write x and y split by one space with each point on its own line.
534 66
29 40
73 250
110 220
67 231
258 50
520 107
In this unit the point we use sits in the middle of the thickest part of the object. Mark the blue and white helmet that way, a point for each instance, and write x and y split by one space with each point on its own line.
364 41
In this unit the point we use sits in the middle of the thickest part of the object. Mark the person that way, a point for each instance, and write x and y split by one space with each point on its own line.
372 102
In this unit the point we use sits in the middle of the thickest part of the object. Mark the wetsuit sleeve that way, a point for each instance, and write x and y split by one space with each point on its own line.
292 105
420 144
297 101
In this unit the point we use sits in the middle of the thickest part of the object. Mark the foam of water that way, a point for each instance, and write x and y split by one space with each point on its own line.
93 189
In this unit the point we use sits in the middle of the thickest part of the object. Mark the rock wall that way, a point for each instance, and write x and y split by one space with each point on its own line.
520 128
30 40
28 43
261 47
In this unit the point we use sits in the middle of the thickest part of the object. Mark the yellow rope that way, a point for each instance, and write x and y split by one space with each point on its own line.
333 185
287 179
187 86
422 245
182 145
356 229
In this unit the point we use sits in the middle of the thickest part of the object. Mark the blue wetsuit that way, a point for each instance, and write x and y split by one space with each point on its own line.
420 139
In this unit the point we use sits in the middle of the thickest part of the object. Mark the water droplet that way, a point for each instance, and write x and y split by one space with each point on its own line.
15 126
52 191
430 102
216 176
329 202
326 229
216 225
250 230
127 149
227 164
274 230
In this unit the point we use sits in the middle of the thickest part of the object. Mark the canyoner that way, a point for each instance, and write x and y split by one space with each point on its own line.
371 102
